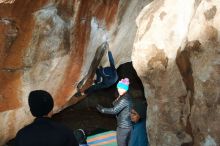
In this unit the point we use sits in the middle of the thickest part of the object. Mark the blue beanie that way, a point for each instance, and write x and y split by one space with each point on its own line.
123 84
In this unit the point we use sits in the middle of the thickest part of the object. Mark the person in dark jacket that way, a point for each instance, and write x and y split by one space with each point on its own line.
121 108
138 117
105 77
43 131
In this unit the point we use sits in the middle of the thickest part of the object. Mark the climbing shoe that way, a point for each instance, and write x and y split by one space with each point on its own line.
81 83
78 94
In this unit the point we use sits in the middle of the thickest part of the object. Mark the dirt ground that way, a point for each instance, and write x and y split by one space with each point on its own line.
88 119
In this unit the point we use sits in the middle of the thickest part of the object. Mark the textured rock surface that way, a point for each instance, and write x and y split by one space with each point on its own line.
176 51
7 1
49 44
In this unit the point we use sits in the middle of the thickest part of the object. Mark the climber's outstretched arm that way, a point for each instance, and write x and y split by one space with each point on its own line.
111 59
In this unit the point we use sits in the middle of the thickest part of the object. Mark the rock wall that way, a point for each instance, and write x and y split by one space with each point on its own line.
49 44
7 1
176 54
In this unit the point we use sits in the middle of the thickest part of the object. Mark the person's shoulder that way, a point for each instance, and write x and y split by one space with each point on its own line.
65 132
25 130
127 96
61 127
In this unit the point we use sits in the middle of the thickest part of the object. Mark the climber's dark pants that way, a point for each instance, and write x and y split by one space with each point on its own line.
99 85
96 87
123 136
98 76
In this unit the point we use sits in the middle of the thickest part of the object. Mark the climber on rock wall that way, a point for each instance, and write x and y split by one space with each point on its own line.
105 77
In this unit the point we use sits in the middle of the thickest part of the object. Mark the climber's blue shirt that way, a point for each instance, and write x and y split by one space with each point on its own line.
109 74
139 134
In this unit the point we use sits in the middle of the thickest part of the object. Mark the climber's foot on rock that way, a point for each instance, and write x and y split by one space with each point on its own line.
79 94
81 83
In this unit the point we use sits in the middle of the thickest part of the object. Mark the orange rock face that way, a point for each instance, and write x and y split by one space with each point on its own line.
175 50
50 45
32 33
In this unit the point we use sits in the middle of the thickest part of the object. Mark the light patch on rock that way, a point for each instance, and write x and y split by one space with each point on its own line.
205 73
123 32
209 141
3 129
155 108
5 21
12 122
184 21
169 137
167 35
38 78
52 25
200 22
98 35
7 1
98 28
47 37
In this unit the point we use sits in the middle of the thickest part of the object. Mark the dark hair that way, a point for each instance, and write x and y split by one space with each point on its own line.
140 106
40 103
80 136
